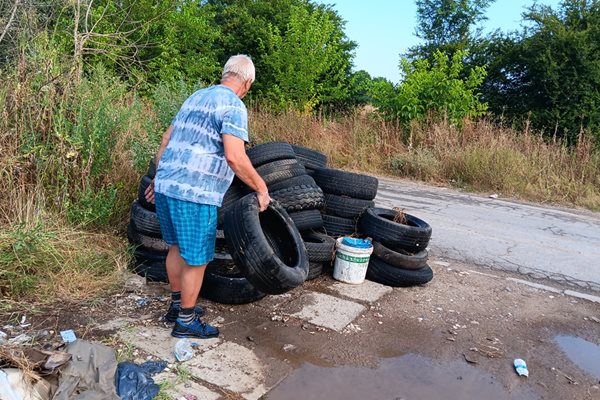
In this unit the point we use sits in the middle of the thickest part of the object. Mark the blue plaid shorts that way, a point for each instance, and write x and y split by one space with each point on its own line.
191 226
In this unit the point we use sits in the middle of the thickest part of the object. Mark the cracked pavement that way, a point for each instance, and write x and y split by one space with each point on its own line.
540 241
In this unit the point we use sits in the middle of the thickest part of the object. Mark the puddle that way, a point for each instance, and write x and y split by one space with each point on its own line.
408 377
586 355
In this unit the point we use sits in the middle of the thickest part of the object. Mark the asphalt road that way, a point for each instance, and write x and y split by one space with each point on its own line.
541 241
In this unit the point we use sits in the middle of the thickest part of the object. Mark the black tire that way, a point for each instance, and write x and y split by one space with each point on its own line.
224 283
145 221
145 242
144 183
269 152
381 272
315 270
151 169
401 259
307 220
233 194
278 171
338 226
295 181
378 223
266 246
346 207
344 183
319 247
150 265
298 198
310 158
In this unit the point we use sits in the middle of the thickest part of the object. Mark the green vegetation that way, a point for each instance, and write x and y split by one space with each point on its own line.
89 87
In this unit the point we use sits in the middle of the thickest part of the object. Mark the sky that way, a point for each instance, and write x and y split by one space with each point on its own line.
384 29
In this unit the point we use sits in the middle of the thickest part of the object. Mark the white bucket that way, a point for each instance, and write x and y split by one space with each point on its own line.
351 263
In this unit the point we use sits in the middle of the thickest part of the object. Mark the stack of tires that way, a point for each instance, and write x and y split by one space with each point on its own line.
144 233
399 247
347 196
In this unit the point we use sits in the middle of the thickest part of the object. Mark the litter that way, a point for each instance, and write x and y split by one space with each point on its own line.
521 367
68 336
134 382
183 350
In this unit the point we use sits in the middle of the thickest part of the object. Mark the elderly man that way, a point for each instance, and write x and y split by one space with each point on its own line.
196 162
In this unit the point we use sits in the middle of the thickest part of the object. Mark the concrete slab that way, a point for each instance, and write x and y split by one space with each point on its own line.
324 310
159 342
175 389
535 285
234 367
367 291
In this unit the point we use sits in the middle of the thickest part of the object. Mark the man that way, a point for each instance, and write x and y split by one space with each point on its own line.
196 162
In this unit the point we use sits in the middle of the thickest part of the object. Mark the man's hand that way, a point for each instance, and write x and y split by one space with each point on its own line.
149 193
263 200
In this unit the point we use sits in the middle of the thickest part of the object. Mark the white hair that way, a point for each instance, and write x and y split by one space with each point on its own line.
240 67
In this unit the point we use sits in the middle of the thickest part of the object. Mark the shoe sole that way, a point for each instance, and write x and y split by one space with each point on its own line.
192 335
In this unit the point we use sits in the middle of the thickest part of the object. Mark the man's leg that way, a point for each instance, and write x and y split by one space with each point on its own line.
175 266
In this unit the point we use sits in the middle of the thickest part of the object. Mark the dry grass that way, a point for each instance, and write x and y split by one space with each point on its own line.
480 157
45 260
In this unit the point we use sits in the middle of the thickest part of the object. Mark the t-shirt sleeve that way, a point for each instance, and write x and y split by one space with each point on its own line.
235 122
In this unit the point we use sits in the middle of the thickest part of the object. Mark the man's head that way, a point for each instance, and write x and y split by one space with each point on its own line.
238 74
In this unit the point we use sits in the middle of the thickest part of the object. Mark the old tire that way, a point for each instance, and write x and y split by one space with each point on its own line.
400 258
378 223
266 246
310 158
295 181
145 242
269 152
338 226
150 265
315 270
278 171
344 183
233 194
298 198
346 207
319 247
307 220
381 272
224 283
145 221
151 169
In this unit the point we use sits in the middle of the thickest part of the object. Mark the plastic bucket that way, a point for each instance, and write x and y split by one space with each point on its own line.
352 259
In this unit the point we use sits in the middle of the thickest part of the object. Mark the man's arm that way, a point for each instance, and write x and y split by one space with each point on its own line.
235 154
163 145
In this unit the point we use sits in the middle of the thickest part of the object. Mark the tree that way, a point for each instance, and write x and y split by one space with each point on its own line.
447 26
433 89
301 53
549 74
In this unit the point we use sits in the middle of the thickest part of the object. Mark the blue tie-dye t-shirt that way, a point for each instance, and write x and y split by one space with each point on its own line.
193 166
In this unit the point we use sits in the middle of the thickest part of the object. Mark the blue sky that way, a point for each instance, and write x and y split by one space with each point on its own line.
384 29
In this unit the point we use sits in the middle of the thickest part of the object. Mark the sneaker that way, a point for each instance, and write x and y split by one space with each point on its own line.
173 312
195 329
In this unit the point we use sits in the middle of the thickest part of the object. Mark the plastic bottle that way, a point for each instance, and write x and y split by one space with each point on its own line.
183 350
521 367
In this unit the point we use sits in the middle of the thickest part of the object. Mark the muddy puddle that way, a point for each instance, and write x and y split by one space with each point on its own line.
410 376
584 354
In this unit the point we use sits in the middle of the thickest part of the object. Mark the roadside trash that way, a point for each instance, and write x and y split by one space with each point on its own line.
352 259
68 336
289 347
493 196
134 382
3 337
142 302
14 385
22 338
23 323
521 367
183 350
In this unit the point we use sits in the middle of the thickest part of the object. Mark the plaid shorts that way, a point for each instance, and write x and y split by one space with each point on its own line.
191 226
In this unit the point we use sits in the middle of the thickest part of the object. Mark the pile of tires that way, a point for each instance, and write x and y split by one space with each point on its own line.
399 255
347 196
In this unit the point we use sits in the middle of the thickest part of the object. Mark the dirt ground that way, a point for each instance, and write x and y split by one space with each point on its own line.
467 319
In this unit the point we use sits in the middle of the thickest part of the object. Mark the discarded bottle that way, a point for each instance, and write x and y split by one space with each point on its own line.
183 350
521 367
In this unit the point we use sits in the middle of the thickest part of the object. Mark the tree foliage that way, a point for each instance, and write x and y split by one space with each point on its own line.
549 74
433 89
